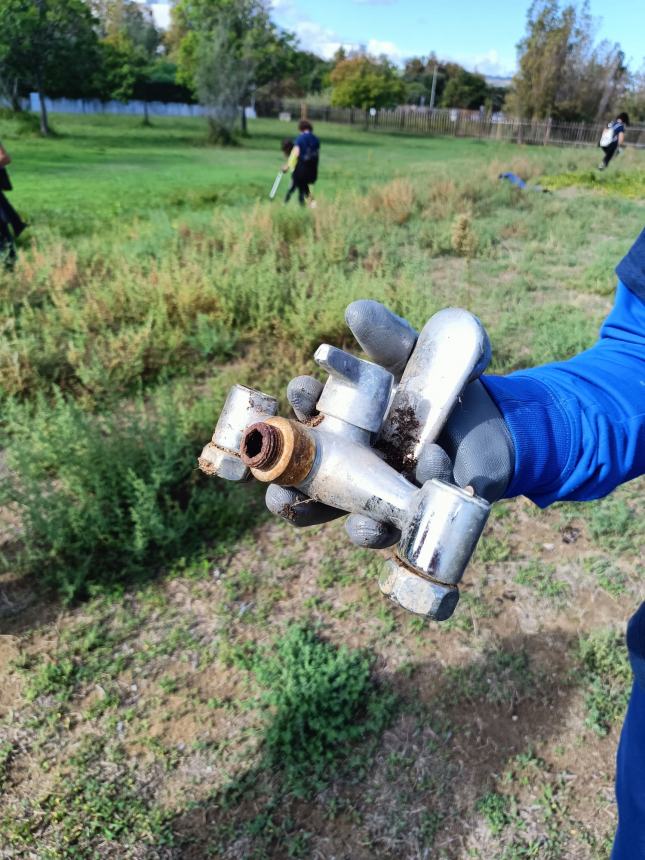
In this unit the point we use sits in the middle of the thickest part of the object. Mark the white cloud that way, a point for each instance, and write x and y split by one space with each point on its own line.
487 63
318 39
378 47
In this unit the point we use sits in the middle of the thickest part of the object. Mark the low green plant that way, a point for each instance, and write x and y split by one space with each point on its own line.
495 808
322 699
625 184
499 676
6 753
108 499
609 577
613 524
606 676
541 578
89 653
97 807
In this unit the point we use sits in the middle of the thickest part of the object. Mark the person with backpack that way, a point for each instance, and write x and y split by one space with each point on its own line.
11 224
305 155
612 138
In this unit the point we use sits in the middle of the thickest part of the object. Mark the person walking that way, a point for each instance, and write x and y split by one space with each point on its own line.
304 155
11 224
612 138
288 148
568 431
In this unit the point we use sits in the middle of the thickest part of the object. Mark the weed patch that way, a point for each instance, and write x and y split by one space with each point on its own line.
105 500
624 184
98 806
542 579
322 699
607 678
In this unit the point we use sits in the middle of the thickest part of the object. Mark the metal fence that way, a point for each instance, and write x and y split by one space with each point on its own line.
133 108
474 124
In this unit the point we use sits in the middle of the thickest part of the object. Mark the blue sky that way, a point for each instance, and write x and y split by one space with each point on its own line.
480 34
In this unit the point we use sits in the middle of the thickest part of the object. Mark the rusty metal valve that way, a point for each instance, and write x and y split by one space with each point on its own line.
361 452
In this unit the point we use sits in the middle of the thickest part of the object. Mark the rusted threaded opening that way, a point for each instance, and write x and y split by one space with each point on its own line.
261 446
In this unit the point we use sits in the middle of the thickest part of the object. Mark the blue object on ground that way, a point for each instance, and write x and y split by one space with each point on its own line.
514 178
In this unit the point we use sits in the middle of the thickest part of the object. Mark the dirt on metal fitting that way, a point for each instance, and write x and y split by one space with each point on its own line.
402 439
261 445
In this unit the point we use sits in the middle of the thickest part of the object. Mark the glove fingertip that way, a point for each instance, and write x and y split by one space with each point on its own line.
303 393
369 533
385 337
433 463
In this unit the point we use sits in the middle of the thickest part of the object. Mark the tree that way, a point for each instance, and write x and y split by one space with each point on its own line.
129 45
465 90
366 82
198 28
562 72
634 100
223 71
49 46
418 73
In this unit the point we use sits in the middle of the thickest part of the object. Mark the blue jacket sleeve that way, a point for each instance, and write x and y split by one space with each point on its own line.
578 426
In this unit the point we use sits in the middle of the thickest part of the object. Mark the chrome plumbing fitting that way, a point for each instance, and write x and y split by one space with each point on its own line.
221 456
360 454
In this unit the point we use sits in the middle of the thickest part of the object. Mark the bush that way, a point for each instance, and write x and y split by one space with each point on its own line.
103 499
322 699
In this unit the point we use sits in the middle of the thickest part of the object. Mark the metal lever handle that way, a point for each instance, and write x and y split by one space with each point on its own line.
453 349
356 391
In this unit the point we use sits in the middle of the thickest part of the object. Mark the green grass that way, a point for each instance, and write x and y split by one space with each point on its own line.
629 184
97 805
541 577
607 678
112 168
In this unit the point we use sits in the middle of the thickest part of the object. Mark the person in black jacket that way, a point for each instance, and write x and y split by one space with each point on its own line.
11 224
305 155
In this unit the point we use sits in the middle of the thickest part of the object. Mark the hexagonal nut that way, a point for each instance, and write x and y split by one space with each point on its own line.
224 464
417 594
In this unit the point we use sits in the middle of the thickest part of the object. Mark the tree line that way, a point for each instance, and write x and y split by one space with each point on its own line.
228 54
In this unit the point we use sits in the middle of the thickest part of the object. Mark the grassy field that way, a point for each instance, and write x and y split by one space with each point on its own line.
180 675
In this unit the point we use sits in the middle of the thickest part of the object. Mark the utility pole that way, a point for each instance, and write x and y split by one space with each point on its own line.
434 87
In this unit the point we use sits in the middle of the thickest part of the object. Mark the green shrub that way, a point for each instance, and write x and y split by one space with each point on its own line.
607 677
322 699
105 499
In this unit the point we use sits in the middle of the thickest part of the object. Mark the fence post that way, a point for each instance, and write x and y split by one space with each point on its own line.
547 131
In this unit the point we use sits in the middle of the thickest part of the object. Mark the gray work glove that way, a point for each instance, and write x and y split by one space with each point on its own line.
475 447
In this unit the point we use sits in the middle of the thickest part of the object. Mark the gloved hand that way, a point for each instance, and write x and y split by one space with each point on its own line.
475 447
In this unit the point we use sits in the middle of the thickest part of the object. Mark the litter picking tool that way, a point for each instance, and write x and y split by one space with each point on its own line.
276 185
361 451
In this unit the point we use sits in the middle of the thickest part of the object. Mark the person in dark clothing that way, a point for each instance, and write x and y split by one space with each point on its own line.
613 137
11 224
287 147
305 155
